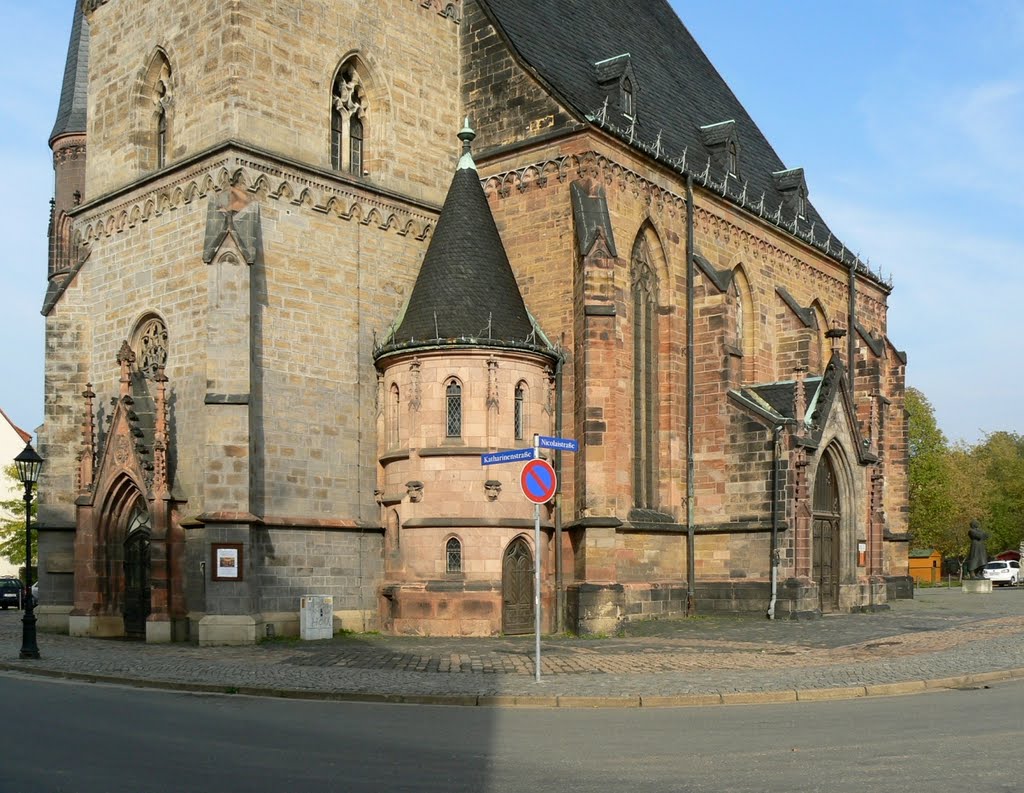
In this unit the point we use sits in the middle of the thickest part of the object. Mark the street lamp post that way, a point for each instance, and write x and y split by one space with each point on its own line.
28 463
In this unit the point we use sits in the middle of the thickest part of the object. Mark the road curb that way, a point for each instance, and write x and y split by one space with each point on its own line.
565 701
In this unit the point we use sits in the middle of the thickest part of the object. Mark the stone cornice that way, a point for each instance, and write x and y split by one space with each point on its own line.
451 10
262 173
597 165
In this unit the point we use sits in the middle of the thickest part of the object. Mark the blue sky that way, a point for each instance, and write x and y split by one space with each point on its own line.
908 118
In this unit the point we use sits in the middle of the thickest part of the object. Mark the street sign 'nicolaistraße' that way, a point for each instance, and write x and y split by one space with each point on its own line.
562 444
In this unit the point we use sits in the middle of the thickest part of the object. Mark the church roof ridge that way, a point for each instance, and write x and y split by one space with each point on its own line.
678 91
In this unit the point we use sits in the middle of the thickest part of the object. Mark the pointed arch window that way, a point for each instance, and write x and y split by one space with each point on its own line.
744 327
645 379
393 416
150 342
519 418
453 409
138 520
453 556
157 102
348 121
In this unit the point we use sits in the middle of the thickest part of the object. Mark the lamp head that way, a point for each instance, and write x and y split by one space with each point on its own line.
29 464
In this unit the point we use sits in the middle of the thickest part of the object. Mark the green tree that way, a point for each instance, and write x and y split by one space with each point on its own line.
12 521
968 494
928 474
1001 455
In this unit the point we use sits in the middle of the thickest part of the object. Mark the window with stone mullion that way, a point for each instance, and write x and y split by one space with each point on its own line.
645 427
453 404
453 556
520 417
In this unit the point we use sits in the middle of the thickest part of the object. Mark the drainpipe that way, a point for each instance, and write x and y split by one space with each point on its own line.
559 591
691 604
773 558
850 341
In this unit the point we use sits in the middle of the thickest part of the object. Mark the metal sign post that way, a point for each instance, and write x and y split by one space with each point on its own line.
536 576
539 483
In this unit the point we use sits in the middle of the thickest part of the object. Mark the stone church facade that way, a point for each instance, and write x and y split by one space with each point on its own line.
287 312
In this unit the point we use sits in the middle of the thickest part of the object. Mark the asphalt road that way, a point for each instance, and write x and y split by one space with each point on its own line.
82 738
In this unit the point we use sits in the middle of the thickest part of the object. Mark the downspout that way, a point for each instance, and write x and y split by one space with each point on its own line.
559 591
691 605
773 558
850 341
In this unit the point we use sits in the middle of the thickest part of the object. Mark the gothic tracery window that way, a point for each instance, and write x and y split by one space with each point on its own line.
453 409
158 95
745 328
645 345
519 419
393 416
151 346
453 556
139 519
348 119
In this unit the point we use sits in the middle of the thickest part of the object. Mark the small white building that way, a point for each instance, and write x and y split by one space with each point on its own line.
12 441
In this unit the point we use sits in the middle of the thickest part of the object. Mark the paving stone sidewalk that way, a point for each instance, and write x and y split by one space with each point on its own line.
942 638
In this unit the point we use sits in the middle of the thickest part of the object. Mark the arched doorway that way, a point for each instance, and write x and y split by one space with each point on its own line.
517 588
825 535
137 604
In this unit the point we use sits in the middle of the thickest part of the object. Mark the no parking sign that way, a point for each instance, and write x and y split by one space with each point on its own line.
539 481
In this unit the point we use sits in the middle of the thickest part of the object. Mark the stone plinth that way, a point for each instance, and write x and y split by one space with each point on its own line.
976 586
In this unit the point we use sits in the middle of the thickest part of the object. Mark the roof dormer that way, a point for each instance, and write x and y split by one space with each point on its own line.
722 142
793 188
616 77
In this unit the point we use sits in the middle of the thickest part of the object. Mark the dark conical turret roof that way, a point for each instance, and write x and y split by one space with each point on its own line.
73 92
466 293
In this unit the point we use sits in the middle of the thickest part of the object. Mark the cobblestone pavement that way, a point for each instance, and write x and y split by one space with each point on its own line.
939 635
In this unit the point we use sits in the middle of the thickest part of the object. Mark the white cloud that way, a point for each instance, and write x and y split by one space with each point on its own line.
954 309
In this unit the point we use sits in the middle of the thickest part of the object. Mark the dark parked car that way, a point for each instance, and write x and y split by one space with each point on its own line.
10 593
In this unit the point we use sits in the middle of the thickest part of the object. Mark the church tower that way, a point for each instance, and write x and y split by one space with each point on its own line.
255 203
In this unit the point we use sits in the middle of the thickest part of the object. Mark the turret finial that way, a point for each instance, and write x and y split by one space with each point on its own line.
466 135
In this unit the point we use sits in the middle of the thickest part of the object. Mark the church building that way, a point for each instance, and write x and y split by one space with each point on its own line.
310 264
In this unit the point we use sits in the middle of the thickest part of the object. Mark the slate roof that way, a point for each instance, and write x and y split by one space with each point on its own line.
677 91
73 92
780 396
774 402
466 292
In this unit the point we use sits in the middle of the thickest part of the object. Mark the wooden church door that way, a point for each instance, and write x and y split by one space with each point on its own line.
517 588
136 574
825 536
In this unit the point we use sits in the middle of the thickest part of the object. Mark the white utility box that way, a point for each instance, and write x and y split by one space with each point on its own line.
316 617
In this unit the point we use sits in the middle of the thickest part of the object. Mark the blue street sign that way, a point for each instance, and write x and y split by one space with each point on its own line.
511 456
562 444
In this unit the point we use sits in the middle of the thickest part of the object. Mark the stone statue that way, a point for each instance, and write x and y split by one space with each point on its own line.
978 557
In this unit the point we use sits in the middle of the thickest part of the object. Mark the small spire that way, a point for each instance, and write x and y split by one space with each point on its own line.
466 135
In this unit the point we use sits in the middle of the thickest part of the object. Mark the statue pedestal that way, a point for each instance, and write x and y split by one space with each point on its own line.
976 586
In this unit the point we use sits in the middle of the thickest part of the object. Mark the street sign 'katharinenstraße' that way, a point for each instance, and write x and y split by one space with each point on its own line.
510 456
